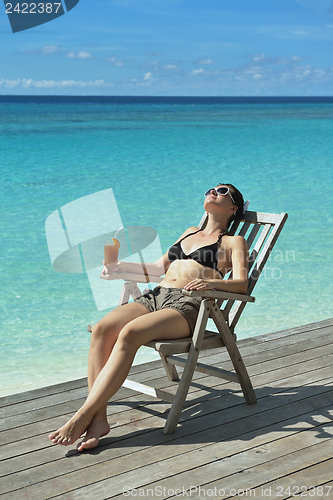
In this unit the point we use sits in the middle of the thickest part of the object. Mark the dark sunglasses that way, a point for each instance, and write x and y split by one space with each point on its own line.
222 191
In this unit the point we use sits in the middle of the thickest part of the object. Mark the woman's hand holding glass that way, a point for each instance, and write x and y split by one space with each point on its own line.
111 268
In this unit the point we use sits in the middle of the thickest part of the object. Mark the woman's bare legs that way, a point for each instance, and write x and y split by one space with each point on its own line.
103 338
166 323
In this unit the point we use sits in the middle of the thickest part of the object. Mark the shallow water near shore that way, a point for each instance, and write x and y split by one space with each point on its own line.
158 155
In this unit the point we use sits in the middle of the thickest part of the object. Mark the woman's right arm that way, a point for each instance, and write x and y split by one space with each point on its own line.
157 268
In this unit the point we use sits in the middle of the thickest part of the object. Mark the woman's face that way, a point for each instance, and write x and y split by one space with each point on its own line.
223 200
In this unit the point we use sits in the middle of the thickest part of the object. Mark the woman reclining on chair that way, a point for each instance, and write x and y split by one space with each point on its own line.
197 261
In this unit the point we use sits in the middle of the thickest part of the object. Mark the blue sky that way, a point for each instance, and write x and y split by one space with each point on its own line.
174 47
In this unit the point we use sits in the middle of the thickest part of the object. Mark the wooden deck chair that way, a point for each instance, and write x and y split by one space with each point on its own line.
261 231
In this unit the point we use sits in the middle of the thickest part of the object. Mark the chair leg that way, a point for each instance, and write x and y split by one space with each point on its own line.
129 288
234 354
125 293
187 375
169 368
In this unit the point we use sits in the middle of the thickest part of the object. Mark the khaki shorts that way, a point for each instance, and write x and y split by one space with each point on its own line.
172 298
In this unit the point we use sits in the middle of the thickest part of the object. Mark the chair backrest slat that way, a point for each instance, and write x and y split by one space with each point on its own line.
266 250
258 245
263 246
203 221
244 228
237 307
233 228
253 234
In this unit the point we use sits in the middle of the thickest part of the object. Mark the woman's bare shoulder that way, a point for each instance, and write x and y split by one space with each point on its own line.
236 237
236 241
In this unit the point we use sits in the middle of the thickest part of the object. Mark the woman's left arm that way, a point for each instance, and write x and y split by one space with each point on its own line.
240 265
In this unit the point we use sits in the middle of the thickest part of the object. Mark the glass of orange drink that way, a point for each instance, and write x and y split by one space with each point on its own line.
111 249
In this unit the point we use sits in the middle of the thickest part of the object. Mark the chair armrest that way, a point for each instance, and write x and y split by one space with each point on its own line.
136 278
219 294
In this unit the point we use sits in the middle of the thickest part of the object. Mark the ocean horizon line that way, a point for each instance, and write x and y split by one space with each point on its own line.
281 98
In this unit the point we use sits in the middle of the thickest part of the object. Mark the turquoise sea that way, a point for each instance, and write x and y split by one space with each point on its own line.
158 156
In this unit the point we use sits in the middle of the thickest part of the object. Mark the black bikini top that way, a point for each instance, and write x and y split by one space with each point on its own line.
206 256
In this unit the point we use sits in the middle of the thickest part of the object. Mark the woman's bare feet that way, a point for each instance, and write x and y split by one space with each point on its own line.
71 431
98 427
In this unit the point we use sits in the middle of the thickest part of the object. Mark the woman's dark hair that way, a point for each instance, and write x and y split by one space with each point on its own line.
239 202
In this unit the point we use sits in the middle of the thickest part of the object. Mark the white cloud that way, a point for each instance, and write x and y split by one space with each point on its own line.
274 73
262 59
260 75
197 71
26 83
169 66
204 60
46 50
49 49
258 57
115 61
79 55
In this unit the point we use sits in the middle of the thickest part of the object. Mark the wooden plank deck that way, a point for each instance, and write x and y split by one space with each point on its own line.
280 447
